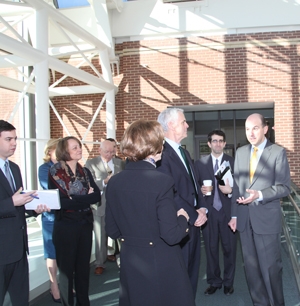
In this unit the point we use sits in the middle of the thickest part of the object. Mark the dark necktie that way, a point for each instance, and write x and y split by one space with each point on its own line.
190 172
217 201
9 177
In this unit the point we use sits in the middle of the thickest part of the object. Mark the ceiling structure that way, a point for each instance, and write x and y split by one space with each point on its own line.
17 51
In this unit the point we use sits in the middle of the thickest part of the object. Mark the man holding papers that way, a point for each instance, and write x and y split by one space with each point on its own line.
13 231
219 213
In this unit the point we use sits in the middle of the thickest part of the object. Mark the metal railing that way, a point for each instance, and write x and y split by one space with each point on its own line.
291 228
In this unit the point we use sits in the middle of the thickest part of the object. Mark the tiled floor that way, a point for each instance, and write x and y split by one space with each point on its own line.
104 288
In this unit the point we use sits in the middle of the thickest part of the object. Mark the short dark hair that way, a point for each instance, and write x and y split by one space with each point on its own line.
6 126
263 120
141 139
216 132
111 140
62 152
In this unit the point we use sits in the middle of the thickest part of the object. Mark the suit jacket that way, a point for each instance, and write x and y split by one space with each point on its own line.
172 165
98 170
141 210
13 229
205 171
272 178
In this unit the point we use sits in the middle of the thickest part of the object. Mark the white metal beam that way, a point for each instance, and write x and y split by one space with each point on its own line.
11 45
68 24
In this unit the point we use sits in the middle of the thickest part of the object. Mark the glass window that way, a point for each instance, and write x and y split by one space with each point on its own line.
70 3
206 122
188 142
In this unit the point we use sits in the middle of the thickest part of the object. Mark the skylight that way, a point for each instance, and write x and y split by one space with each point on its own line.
70 3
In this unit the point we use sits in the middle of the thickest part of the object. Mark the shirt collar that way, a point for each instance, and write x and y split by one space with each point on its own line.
173 144
261 146
2 163
219 158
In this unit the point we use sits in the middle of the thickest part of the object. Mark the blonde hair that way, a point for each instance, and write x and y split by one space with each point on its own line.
51 145
141 139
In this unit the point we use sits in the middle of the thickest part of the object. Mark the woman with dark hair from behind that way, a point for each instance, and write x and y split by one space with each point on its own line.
141 211
48 220
73 225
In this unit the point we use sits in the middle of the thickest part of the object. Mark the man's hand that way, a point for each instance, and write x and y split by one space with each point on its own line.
20 199
202 218
206 189
226 189
252 197
107 179
232 224
42 208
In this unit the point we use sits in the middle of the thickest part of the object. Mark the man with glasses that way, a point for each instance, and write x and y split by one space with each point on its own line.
218 199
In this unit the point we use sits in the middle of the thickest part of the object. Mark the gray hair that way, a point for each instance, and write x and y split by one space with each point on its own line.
168 115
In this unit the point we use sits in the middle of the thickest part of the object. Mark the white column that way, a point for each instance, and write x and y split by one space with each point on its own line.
110 95
42 114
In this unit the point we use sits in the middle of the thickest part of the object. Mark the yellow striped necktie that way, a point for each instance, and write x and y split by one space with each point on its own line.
253 163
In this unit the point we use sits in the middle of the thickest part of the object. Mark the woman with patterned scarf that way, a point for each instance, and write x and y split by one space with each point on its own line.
73 225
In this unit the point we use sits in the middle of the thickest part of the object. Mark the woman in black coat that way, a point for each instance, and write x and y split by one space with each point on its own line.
141 211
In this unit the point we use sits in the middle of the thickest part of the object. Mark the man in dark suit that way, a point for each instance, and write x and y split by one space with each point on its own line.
13 231
177 163
219 215
262 176
102 168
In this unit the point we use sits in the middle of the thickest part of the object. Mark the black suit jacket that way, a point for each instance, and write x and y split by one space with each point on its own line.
13 230
204 170
172 165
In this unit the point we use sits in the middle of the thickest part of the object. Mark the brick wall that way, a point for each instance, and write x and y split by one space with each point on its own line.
155 74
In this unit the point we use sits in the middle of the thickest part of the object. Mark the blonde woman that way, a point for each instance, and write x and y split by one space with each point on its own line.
48 220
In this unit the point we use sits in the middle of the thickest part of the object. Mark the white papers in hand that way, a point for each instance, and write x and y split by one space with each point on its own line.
50 198
224 172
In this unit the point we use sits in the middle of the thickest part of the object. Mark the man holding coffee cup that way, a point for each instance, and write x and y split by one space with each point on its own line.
218 199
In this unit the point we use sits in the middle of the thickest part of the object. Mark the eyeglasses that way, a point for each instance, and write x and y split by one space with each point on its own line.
215 141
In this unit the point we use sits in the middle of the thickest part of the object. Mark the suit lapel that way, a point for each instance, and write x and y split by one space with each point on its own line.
210 168
176 159
100 165
117 166
5 183
262 162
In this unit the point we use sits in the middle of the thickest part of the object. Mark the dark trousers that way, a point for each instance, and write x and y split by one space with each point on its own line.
73 243
263 267
216 229
14 279
190 247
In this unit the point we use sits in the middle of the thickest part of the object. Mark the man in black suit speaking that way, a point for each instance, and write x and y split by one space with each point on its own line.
177 163
262 176
13 231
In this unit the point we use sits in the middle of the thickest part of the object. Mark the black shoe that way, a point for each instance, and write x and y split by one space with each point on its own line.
55 300
211 290
228 290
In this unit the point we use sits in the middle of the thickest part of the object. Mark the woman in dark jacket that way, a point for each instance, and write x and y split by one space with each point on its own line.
141 211
73 225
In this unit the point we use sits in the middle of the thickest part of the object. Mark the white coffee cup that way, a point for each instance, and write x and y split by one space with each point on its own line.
207 183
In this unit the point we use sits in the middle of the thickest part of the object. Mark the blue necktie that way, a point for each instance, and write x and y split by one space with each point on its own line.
9 177
190 172
217 204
